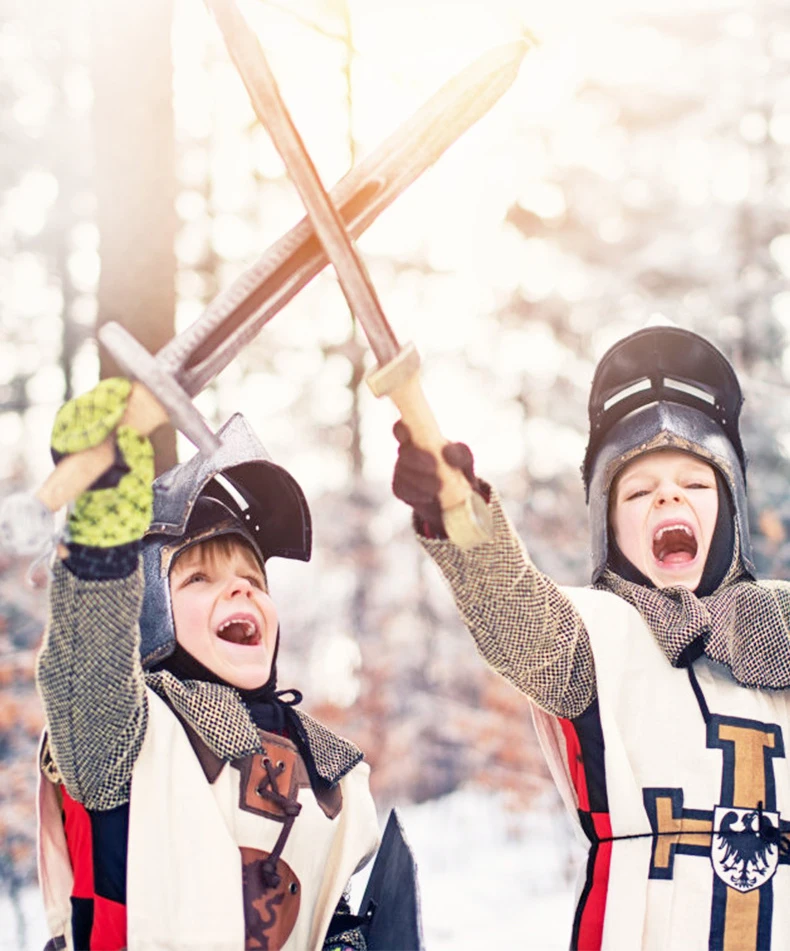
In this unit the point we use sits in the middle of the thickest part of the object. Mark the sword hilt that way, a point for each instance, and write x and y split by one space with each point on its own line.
466 517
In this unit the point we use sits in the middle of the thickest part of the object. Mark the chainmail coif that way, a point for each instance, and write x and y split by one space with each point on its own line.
221 719
744 624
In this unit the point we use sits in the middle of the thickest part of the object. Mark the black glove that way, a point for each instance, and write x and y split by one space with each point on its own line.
416 481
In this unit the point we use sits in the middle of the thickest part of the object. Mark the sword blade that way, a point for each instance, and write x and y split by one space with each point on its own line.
237 315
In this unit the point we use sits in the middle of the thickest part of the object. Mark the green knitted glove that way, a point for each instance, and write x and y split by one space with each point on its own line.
117 508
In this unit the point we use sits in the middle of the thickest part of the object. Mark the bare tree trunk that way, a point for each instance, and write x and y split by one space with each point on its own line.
135 176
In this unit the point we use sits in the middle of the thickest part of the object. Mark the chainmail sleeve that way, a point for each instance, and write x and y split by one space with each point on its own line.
522 623
91 683
750 632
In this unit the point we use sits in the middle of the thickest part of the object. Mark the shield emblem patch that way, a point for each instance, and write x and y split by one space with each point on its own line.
744 846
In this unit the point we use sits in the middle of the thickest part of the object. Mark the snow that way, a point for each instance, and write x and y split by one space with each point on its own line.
22 924
488 876
491 877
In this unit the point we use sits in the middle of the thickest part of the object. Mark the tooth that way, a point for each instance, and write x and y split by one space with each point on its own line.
669 528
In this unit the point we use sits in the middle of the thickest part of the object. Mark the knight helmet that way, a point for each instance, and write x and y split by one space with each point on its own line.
237 490
663 387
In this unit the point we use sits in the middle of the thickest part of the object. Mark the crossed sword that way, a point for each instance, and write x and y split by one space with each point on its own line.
166 383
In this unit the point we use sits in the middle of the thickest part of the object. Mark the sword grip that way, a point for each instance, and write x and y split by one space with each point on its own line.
74 474
467 518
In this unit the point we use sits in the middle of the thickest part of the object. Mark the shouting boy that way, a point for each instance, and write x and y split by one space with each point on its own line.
658 690
185 801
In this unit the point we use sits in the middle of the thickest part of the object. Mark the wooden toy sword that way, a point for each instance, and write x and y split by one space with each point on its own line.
465 515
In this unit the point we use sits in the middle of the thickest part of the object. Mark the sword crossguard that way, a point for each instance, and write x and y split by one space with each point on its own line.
158 378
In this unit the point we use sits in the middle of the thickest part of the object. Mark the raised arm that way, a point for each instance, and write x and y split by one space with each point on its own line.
523 624
89 673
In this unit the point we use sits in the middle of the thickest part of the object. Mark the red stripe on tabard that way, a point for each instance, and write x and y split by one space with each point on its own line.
590 921
79 838
573 752
590 933
109 925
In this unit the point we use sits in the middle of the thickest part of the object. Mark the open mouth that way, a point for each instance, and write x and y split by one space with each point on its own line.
674 544
239 630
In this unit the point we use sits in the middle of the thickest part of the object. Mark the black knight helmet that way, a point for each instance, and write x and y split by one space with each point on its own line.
237 490
663 388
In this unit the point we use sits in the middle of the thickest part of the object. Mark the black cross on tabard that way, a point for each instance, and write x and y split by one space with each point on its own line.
742 835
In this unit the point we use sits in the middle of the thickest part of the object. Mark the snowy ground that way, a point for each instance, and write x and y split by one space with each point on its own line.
22 926
488 878
491 878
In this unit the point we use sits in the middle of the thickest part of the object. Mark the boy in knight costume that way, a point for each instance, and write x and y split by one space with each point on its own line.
658 691
185 801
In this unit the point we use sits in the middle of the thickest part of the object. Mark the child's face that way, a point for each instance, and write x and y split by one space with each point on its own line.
663 516
223 614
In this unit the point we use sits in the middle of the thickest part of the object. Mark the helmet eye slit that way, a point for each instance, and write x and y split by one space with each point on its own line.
623 394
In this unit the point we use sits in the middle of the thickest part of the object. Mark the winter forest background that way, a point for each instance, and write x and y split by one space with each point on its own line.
636 169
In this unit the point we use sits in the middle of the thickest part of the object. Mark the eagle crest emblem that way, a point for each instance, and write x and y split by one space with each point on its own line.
744 846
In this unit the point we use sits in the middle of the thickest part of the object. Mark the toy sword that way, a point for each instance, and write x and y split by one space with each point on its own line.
184 366
466 517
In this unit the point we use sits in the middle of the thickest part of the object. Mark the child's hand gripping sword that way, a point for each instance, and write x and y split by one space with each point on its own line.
466 517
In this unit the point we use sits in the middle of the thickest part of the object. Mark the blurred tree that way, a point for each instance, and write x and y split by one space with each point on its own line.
135 177
48 281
